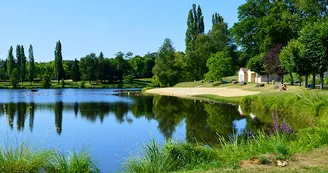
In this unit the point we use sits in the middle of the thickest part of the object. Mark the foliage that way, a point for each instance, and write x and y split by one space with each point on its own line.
62 83
14 78
10 61
165 68
76 71
256 64
128 79
46 81
195 26
219 65
82 84
271 61
31 70
58 65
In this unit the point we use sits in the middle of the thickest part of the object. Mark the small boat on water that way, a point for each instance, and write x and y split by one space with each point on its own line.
34 90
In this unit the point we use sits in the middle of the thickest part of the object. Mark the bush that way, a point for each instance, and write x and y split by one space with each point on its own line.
155 81
128 79
82 83
62 83
46 81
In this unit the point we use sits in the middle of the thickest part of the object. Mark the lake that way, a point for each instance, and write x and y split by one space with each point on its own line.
111 123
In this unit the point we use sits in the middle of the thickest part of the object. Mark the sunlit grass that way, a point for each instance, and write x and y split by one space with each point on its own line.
21 158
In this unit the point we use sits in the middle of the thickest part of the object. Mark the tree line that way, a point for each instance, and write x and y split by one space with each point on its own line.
92 68
271 37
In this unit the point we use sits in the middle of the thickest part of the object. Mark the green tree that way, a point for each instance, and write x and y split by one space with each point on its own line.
149 63
101 68
22 65
314 38
256 64
220 65
58 66
88 66
137 65
14 78
19 61
122 65
219 34
76 76
10 61
195 24
196 59
165 68
31 70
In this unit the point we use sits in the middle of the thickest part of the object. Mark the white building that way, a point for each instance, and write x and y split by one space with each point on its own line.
246 75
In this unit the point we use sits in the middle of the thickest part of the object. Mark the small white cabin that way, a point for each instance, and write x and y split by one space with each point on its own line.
246 75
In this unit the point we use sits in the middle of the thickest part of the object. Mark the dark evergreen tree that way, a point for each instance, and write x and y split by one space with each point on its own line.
22 65
31 70
59 70
10 61
76 75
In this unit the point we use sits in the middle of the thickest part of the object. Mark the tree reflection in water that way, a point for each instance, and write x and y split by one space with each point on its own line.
204 121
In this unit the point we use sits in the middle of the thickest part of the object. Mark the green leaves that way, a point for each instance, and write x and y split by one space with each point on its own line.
219 65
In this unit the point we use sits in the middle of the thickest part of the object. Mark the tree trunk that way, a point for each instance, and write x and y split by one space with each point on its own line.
306 81
321 81
268 78
291 79
313 81
300 81
282 79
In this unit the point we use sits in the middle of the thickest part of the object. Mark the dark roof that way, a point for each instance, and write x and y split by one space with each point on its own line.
244 69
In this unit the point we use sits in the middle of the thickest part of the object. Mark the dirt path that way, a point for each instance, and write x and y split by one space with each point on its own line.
225 92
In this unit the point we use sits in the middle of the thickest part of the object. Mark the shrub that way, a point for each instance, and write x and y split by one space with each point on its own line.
82 83
46 81
62 83
128 79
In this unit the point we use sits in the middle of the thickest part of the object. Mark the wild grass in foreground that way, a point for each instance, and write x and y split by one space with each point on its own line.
179 157
21 158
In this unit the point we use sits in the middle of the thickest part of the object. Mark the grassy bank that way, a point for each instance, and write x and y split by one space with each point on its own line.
137 83
299 109
229 154
23 159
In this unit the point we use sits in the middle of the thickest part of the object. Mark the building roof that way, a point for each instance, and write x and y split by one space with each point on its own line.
244 69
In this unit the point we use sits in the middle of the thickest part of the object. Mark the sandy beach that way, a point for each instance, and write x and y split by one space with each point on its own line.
225 92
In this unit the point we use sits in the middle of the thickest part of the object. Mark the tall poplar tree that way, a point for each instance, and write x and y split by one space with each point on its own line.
31 70
19 61
22 65
59 70
10 61
195 23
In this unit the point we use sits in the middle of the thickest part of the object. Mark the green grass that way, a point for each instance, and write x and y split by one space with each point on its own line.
229 153
299 109
137 83
21 158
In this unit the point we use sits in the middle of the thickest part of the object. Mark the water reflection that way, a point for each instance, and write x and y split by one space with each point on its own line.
203 121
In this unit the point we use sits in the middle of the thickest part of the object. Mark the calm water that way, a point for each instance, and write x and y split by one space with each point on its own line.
111 124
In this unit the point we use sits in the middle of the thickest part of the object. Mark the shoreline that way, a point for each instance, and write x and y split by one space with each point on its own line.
229 95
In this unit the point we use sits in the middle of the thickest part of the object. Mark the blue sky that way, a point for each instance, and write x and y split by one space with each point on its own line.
85 26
